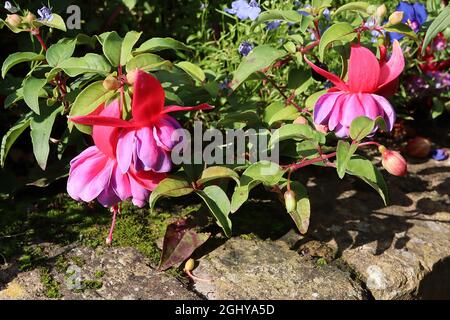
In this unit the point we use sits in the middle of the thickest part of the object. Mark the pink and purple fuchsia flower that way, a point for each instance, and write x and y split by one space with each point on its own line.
129 158
369 82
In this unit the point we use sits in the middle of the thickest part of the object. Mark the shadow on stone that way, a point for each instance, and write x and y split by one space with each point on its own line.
436 284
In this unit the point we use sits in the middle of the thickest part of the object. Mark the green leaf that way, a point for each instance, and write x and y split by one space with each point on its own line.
312 99
344 153
287 113
130 4
265 172
298 79
438 108
31 89
290 16
219 205
87 101
361 127
272 109
402 29
159 44
259 58
170 187
60 52
359 6
19 57
296 131
303 211
56 22
214 173
131 38
147 62
439 24
364 169
341 31
112 47
90 63
191 69
41 128
11 136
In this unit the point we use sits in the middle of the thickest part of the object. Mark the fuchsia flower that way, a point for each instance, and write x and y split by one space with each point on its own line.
363 94
95 174
144 142
129 158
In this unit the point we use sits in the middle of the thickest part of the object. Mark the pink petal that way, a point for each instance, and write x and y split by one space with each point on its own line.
333 78
324 106
336 112
120 183
389 113
139 193
108 198
105 138
89 175
148 179
391 70
352 108
203 106
146 148
370 105
148 97
124 152
163 132
363 70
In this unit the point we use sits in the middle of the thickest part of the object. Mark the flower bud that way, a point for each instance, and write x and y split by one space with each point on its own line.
393 162
301 120
289 200
418 147
131 76
14 20
381 11
189 265
396 17
29 18
111 83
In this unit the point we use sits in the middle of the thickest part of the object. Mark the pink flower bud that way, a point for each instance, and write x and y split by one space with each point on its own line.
418 147
301 120
14 20
393 162
290 202
321 128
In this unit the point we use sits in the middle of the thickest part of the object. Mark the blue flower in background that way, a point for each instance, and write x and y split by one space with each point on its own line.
245 48
439 154
304 12
273 24
45 13
326 14
413 14
244 9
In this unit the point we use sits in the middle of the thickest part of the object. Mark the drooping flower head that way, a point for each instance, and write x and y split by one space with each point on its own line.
414 15
244 9
145 141
95 172
369 82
